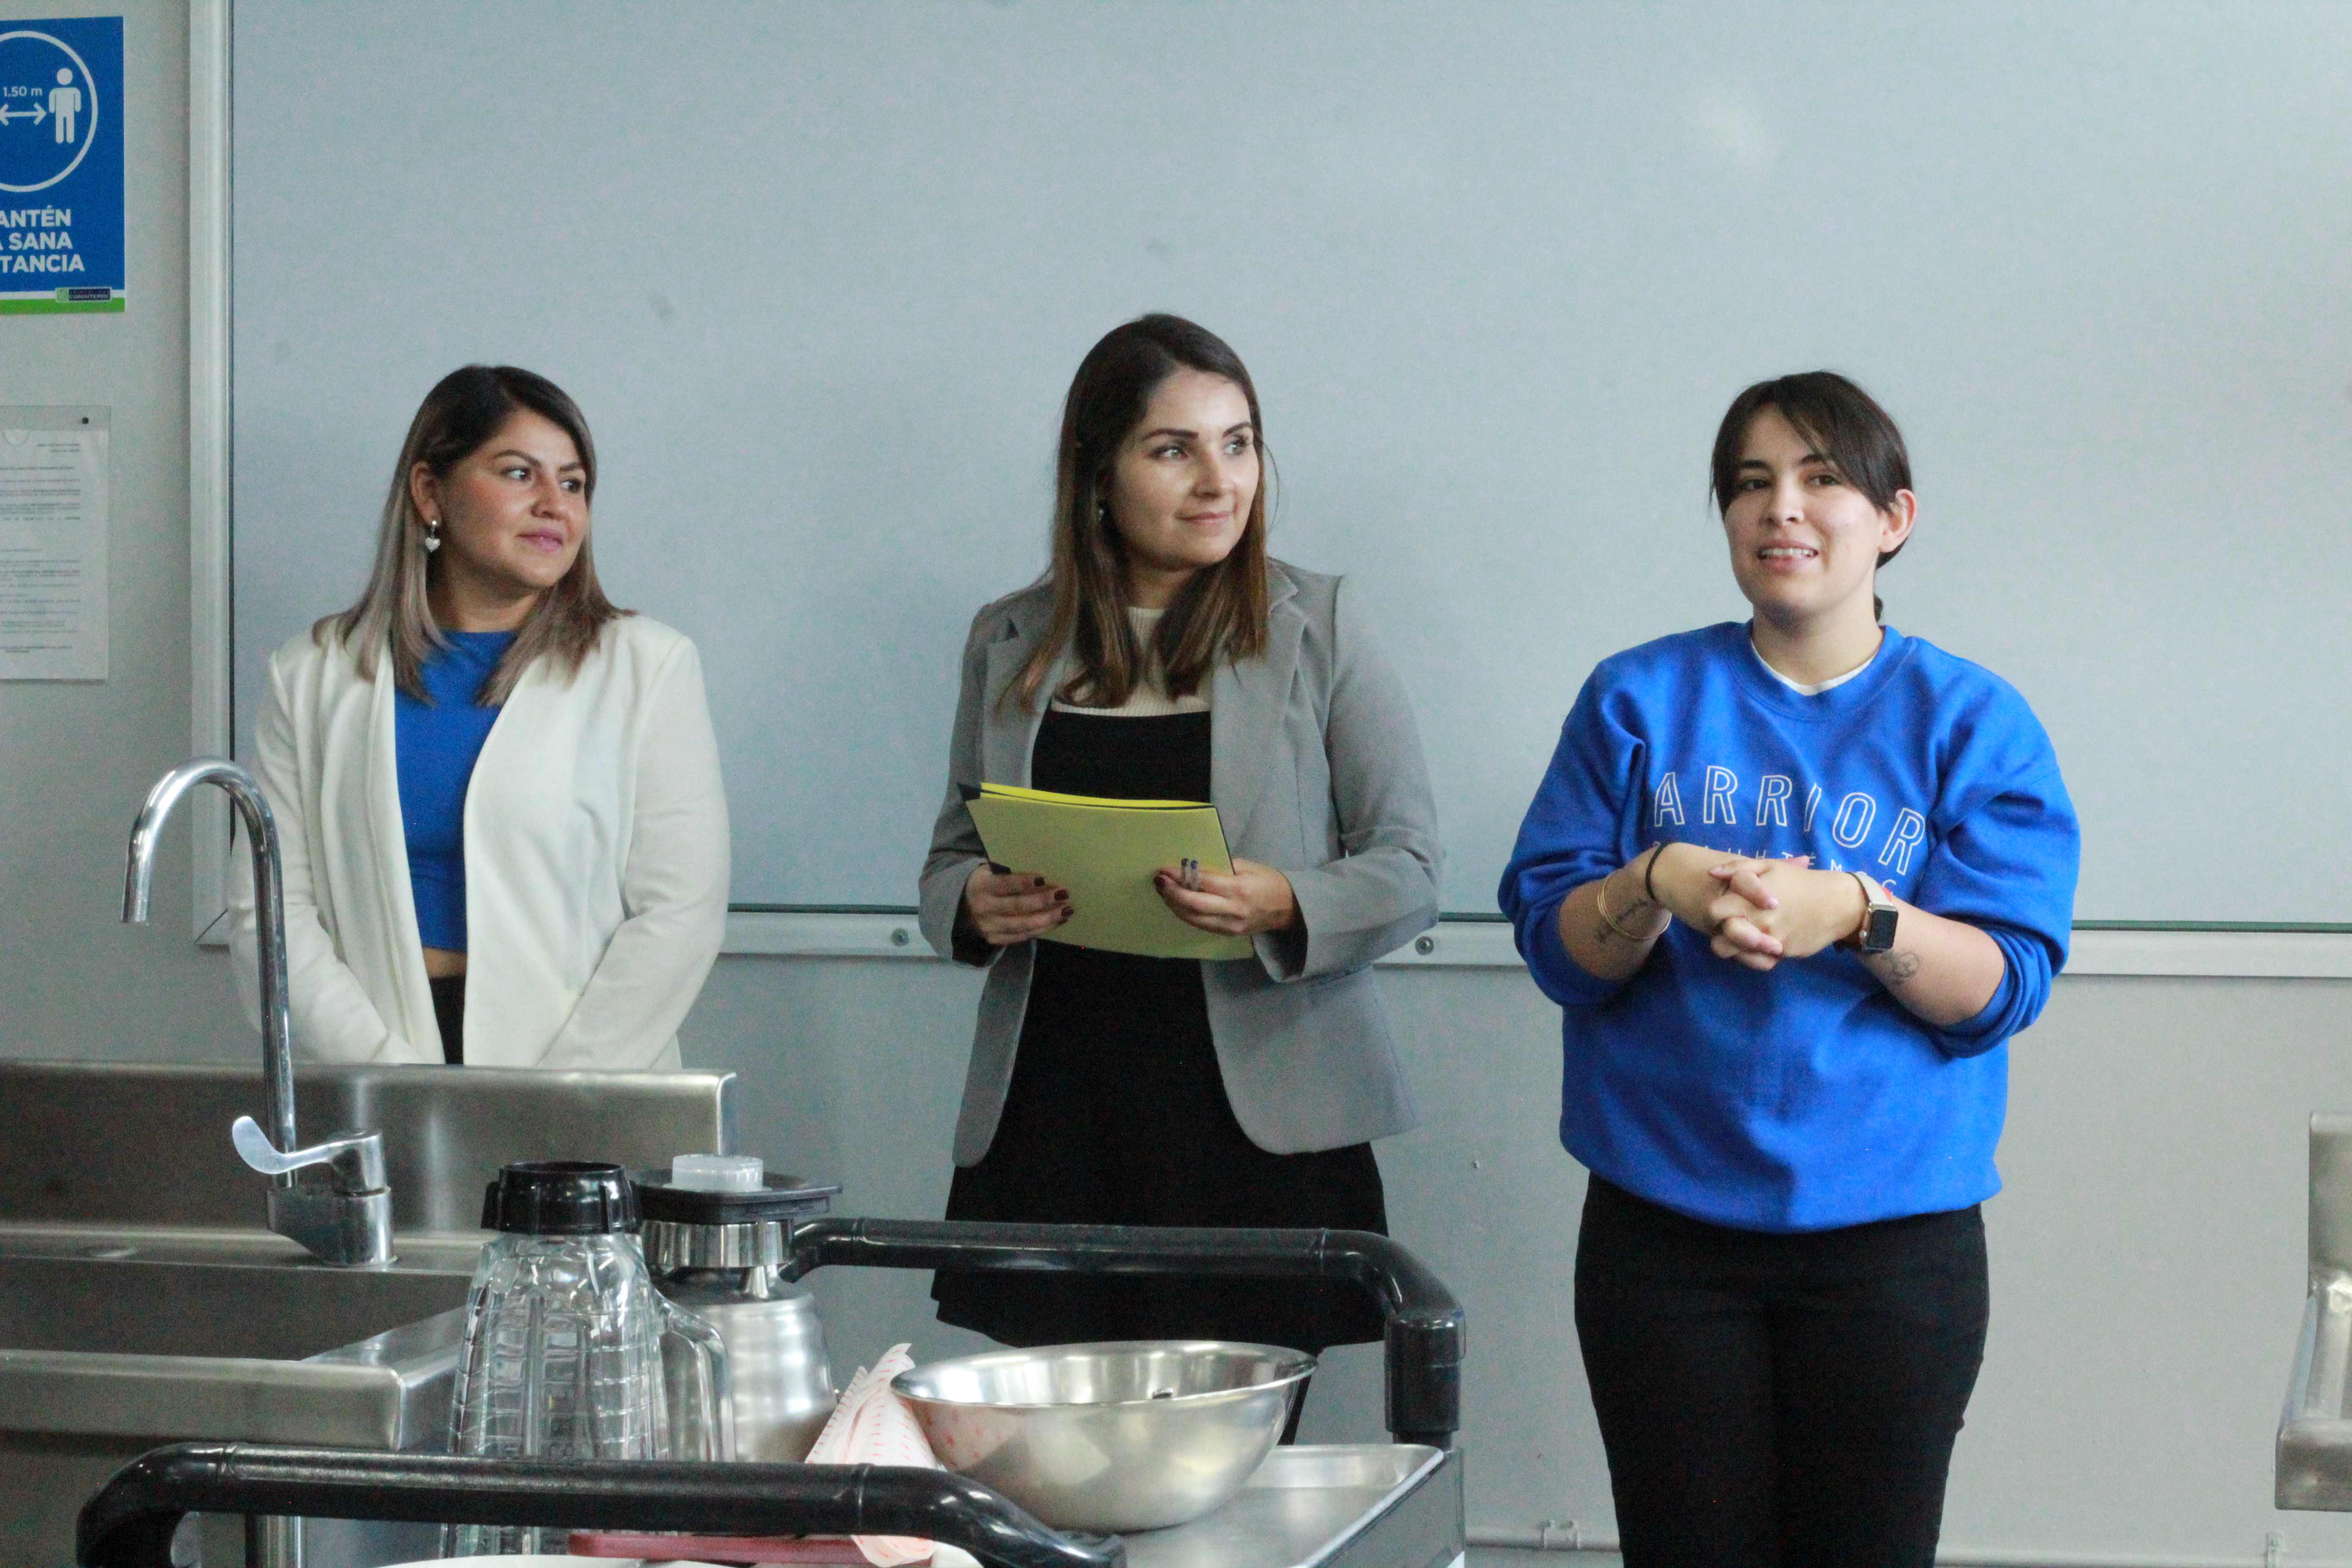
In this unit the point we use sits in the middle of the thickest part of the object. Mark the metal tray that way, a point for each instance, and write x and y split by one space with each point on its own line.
1396 1505
1369 1506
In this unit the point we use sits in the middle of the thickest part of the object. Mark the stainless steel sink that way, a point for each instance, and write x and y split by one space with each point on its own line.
141 1301
143 1333
122 1298
100 1142
113 1339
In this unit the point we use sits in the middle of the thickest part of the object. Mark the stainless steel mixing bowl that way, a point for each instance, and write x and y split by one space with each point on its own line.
1131 1434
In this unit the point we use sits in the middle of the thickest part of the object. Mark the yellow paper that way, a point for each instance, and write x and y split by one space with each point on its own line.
1107 852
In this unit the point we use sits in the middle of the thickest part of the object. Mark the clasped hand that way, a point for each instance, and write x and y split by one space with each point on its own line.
1004 908
1766 910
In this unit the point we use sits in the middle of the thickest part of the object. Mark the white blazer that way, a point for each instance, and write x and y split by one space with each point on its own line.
596 861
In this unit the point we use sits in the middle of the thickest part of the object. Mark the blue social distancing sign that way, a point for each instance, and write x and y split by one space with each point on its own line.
61 165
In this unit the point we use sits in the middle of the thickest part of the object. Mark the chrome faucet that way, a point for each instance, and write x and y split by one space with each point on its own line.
347 1219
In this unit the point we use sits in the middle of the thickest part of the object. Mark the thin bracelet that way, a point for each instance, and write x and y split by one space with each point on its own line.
1649 887
1601 903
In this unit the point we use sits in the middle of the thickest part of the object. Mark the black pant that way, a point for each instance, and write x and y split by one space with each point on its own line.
449 1017
1778 1401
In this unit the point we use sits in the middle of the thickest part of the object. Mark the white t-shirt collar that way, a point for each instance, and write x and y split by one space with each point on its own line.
1812 687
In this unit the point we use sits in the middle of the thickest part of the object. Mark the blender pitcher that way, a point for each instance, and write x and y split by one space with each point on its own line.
569 1353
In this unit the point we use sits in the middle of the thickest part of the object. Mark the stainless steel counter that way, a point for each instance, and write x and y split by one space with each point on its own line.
1375 1505
113 1338
121 1339
139 1144
141 1301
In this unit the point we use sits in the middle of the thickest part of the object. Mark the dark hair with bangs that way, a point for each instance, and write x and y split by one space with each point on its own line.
465 409
1844 423
1220 612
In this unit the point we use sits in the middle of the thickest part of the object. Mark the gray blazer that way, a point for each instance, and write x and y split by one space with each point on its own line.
1316 768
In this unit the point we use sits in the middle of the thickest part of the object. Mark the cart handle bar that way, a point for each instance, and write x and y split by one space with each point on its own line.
130 1524
1424 1322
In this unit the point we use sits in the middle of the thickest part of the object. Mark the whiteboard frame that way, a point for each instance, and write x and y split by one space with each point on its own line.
1486 943
210 619
2155 949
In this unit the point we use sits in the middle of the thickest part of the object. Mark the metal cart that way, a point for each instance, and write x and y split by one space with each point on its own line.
1360 1506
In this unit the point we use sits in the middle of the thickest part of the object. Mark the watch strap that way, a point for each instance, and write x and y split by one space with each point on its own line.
1879 915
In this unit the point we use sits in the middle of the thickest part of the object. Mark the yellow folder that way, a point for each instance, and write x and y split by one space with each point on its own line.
1106 852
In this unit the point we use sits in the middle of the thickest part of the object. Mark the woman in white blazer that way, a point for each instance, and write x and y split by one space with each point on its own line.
505 837
1164 655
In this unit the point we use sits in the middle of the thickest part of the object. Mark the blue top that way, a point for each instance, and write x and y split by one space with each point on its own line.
1802 1098
437 744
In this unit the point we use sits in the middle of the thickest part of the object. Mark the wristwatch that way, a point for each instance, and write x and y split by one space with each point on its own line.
1876 933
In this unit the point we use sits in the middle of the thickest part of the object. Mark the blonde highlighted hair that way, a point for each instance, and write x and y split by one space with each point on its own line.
459 416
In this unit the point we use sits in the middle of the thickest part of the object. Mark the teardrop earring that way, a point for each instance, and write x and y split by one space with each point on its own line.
432 535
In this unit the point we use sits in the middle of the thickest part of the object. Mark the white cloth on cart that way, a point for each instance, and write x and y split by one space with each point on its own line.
872 1425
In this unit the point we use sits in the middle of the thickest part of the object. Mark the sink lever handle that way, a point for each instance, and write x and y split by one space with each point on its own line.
356 1159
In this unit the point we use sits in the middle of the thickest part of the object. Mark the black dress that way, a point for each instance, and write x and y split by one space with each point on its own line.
1116 1115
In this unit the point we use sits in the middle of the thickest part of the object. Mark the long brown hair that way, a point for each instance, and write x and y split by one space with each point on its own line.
457 419
1220 613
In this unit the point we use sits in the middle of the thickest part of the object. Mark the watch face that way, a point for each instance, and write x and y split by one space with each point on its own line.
1878 930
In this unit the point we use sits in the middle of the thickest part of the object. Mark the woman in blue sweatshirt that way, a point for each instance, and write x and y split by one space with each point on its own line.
1793 883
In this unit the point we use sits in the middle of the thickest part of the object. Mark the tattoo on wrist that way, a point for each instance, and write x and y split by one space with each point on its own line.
1899 967
1606 925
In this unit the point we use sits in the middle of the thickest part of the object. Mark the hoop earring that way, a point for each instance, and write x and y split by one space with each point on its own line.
432 535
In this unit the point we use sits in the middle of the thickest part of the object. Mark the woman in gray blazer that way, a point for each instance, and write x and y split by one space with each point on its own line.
1164 655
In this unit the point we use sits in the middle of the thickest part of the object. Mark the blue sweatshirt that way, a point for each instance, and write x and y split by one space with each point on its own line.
1801 1097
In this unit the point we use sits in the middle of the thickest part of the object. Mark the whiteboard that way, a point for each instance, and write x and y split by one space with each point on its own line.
819 275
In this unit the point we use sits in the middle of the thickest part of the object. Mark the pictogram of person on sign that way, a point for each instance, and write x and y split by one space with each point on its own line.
65 105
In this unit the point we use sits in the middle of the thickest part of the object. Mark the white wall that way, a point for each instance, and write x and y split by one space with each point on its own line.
2147 1256
75 760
